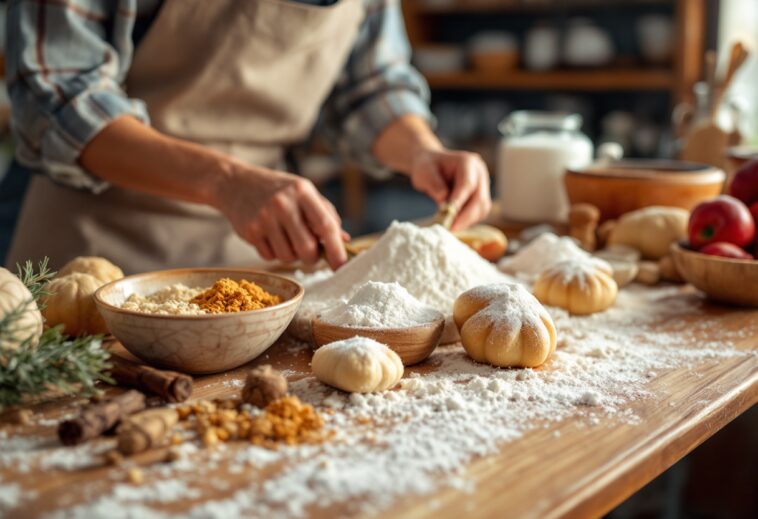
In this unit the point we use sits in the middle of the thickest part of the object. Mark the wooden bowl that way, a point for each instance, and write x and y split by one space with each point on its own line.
197 343
741 155
725 280
622 186
412 344
494 61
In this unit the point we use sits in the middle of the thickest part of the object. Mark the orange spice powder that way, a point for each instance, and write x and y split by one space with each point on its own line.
227 295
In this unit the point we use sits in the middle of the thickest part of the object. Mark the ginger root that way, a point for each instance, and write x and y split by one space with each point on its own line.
264 385
583 221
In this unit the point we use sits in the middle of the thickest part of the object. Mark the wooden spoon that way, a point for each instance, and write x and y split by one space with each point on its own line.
413 344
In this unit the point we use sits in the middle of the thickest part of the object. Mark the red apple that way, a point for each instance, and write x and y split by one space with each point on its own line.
744 185
754 212
727 250
723 218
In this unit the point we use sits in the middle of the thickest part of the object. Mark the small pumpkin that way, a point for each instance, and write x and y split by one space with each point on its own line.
13 293
71 303
100 268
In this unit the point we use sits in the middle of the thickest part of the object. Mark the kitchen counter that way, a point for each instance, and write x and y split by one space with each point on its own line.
572 467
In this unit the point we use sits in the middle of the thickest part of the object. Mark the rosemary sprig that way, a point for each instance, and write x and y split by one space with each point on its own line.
64 364
56 362
35 281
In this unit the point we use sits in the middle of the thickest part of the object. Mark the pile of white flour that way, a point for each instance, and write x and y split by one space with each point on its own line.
380 305
542 253
429 262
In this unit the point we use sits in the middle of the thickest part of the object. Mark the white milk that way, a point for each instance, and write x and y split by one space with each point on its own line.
531 165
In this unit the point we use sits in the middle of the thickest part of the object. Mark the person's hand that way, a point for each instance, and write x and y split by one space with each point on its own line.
456 177
282 215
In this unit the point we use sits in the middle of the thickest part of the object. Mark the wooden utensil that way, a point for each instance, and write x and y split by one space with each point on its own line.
413 344
707 141
737 57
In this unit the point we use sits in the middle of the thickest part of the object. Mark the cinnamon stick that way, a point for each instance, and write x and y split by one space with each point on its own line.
145 430
95 419
169 385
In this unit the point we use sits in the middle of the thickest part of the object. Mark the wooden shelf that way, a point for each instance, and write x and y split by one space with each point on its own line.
505 6
583 80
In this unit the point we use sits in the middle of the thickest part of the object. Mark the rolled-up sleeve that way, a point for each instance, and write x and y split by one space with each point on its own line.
66 65
377 86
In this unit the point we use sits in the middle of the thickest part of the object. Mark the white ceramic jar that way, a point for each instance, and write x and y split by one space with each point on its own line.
535 150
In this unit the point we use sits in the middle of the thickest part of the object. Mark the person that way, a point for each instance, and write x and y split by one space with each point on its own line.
162 128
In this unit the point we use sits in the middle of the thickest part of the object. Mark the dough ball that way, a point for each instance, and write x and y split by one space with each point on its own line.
651 230
100 268
579 286
504 325
27 326
357 365
71 303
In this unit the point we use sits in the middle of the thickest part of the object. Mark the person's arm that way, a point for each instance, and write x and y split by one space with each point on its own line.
282 215
379 114
75 123
459 178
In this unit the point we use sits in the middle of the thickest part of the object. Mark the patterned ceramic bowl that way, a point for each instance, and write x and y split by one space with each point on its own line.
197 343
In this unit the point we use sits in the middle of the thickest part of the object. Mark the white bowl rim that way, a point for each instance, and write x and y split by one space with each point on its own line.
293 300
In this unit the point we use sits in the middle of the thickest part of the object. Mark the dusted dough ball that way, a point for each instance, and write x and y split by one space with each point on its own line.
504 325
579 286
28 326
100 268
357 365
651 230
71 303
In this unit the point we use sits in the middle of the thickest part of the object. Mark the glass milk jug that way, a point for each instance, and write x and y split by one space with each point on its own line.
534 152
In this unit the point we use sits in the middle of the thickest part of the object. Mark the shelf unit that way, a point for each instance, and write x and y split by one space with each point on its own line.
678 79
591 80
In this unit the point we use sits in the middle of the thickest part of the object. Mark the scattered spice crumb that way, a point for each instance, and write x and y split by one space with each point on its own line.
135 476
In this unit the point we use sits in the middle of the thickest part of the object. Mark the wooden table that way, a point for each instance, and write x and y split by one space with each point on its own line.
582 471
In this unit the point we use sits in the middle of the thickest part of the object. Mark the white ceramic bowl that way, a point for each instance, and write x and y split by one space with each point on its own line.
197 343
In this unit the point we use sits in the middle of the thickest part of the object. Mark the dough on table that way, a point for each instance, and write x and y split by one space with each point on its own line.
651 230
504 325
579 286
357 365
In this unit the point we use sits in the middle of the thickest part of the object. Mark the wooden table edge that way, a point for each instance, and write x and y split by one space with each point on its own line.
654 458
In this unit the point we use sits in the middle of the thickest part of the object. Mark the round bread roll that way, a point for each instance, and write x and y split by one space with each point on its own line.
579 286
504 325
357 365
69 301
102 269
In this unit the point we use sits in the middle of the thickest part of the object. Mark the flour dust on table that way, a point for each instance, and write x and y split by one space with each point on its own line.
412 441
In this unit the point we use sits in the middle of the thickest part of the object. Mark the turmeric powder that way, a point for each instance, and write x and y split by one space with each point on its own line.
227 295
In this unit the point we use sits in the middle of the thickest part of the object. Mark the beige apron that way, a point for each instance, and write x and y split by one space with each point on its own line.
247 78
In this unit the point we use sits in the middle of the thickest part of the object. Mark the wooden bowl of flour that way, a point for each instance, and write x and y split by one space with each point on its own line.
412 344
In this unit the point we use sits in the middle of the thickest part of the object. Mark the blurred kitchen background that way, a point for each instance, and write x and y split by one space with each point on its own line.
630 68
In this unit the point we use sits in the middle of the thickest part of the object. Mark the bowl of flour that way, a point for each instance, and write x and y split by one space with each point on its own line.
387 313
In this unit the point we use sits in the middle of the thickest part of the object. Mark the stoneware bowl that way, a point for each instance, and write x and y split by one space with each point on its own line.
197 343
413 344
622 186
725 280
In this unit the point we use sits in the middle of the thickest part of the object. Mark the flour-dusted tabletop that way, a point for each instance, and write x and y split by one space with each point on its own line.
627 394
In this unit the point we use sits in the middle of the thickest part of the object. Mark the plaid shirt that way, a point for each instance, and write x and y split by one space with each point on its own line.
67 61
